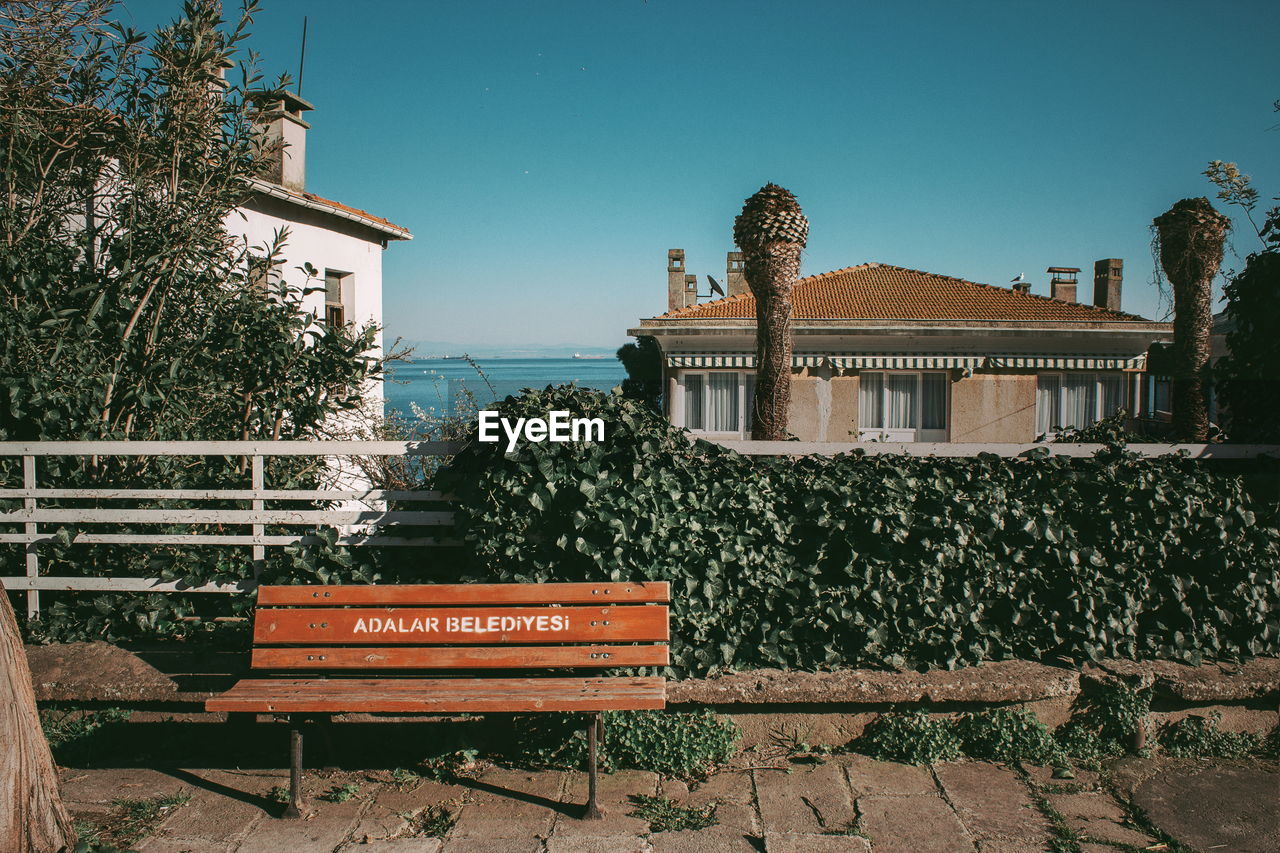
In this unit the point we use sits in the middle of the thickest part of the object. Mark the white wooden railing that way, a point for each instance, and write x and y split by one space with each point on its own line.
362 526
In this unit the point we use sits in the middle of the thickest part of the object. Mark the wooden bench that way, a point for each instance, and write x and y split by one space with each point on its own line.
452 648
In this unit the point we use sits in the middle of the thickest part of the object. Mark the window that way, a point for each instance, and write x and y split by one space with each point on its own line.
717 401
902 406
1077 400
335 283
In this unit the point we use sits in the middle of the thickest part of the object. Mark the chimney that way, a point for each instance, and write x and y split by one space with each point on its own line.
1063 284
737 277
1022 286
1107 275
676 278
284 134
690 290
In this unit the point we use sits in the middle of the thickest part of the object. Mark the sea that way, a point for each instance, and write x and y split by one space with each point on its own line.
440 386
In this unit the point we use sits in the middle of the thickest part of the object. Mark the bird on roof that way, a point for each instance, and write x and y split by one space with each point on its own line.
715 286
1021 278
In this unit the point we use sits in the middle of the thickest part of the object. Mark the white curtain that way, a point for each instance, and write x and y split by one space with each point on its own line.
723 402
871 400
1113 393
901 401
693 401
933 405
1048 388
1079 399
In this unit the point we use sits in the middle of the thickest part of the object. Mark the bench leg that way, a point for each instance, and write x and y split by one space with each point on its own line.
295 806
595 728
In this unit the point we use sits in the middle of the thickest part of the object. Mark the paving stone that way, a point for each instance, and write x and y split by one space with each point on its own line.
1087 805
610 844
727 786
394 845
505 786
103 785
913 825
492 845
1013 847
324 827
791 842
1100 829
992 802
612 787
1212 807
213 817
386 817
702 841
869 777
808 801
736 817
183 845
615 821
506 820
1044 776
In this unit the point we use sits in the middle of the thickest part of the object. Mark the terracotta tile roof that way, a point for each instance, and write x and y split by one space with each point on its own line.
876 291
306 199
357 211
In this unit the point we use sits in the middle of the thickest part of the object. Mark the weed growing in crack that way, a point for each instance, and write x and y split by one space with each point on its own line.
665 816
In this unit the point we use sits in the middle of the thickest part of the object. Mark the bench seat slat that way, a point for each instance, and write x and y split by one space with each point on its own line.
456 657
436 595
440 695
379 626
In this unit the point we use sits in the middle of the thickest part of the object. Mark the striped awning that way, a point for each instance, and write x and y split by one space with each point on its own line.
899 361
735 359
728 359
1070 362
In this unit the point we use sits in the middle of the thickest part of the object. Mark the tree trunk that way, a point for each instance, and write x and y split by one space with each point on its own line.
1192 323
32 817
776 267
1190 236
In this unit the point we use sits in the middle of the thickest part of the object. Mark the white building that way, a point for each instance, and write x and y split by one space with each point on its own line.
343 244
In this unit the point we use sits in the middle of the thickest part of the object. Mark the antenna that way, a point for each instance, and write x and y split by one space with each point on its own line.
302 58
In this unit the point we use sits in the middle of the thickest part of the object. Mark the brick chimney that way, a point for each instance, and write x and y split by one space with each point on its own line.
1022 286
1063 284
736 282
284 133
1107 276
676 281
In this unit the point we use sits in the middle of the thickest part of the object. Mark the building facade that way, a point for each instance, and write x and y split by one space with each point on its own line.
885 353
343 244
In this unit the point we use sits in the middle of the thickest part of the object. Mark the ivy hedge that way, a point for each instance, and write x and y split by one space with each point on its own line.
860 560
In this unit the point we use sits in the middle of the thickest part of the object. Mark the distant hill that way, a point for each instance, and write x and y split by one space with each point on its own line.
436 349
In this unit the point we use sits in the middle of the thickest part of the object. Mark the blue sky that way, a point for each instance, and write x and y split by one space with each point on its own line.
547 154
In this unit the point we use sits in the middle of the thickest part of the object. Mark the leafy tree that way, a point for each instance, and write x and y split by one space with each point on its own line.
1189 240
1248 376
771 230
643 363
132 312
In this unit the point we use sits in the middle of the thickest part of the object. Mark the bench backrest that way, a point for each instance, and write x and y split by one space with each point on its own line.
461 626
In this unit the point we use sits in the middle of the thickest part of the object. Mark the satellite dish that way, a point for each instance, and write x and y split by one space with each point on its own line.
715 287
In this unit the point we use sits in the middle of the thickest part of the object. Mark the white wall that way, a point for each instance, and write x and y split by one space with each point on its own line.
338 248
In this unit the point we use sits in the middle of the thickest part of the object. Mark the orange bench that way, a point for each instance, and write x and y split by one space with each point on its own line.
452 648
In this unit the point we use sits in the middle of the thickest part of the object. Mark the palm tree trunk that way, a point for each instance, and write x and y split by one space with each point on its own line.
778 266
32 817
1190 237
1192 324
